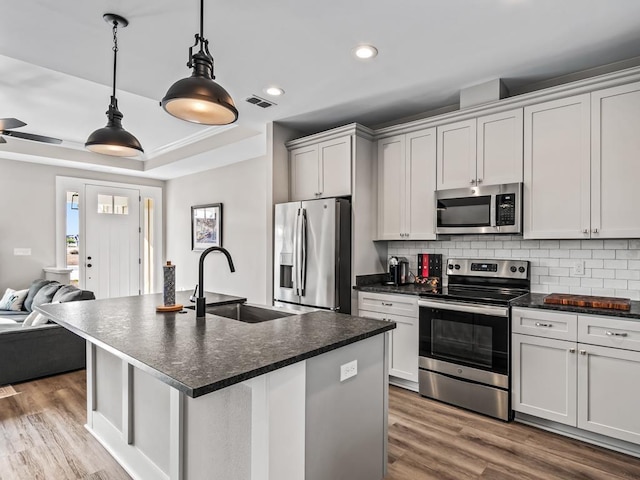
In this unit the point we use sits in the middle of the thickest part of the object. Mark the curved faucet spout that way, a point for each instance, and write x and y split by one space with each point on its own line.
201 301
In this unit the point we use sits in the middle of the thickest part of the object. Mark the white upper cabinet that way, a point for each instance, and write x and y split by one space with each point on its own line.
499 152
406 186
615 166
321 170
556 168
486 150
457 155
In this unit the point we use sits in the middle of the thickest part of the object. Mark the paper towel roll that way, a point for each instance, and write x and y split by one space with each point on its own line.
169 290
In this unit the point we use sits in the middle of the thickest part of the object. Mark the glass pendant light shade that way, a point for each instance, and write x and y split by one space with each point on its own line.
113 139
198 98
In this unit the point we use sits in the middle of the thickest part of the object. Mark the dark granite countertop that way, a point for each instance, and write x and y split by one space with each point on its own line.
199 356
409 289
536 300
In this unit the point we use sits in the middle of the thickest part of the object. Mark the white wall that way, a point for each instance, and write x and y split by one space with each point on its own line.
27 216
242 189
612 267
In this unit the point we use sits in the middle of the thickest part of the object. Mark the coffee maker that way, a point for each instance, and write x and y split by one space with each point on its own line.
398 271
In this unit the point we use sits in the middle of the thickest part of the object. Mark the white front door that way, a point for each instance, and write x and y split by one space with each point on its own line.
112 244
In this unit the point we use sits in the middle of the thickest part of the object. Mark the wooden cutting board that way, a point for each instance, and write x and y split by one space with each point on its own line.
589 301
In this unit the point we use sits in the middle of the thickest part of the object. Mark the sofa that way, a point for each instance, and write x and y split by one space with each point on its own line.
30 345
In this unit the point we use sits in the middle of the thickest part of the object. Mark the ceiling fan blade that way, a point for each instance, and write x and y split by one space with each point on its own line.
32 136
2 140
8 123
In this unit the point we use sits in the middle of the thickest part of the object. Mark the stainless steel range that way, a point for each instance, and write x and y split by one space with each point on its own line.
465 335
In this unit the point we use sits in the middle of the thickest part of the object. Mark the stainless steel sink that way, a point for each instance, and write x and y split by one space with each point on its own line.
246 313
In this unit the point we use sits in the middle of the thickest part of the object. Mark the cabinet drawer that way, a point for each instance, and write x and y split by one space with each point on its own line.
388 304
543 323
609 332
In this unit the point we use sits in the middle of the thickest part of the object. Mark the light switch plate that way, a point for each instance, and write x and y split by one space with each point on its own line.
348 370
22 251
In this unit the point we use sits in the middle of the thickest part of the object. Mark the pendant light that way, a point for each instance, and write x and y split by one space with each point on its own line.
198 98
113 139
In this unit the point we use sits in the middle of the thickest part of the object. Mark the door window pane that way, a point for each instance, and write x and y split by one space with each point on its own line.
113 205
105 204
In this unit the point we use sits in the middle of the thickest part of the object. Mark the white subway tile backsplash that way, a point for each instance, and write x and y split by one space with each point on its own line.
616 244
617 284
559 271
580 253
594 263
592 282
612 267
628 274
551 244
604 254
603 273
628 254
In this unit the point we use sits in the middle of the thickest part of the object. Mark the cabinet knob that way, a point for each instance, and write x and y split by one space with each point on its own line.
585 231
595 230
472 182
479 180
572 350
583 352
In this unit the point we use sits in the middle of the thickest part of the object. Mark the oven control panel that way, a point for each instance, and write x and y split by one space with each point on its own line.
518 269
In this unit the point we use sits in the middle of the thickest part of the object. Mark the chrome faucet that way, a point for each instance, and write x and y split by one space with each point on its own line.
201 301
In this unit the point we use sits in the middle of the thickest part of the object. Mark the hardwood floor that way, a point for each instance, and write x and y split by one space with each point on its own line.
42 434
42 437
431 440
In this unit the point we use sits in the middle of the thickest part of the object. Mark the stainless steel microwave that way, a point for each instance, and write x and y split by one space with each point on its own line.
483 209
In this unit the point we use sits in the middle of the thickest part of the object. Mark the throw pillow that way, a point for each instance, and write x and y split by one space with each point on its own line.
13 299
67 293
45 294
36 285
34 319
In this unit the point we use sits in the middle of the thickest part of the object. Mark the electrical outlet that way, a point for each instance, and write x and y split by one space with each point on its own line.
22 251
578 268
348 370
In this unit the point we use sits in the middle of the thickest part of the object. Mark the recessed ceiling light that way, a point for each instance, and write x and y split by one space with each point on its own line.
365 51
274 91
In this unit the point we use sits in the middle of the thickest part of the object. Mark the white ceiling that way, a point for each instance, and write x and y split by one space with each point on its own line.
56 60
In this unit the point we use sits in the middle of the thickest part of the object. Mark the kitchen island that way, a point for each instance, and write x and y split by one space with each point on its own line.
172 396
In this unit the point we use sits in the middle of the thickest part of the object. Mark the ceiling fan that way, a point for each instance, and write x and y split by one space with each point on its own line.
7 124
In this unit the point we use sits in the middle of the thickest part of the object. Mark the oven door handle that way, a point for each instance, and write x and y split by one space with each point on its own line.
465 307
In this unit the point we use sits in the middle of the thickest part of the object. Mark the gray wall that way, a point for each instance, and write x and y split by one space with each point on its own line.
242 189
27 216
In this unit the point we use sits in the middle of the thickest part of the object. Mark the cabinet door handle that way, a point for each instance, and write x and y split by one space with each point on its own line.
572 350
538 324
472 182
479 180
585 231
583 352
616 334
387 304
595 230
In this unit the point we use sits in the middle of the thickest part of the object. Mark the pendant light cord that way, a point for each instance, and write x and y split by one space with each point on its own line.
115 54
201 23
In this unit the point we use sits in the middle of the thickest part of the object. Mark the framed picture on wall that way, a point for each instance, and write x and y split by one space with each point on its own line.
206 226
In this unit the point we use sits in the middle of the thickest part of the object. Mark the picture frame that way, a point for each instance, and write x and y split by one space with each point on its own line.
206 226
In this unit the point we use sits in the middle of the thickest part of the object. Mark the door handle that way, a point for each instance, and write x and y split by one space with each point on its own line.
549 325
616 334
572 350
583 352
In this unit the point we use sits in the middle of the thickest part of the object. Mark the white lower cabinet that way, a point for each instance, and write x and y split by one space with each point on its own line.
544 381
591 386
403 351
609 392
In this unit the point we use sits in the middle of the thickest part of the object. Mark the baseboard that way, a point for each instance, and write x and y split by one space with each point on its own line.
402 383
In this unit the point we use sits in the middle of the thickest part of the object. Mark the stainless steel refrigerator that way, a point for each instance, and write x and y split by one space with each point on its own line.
312 254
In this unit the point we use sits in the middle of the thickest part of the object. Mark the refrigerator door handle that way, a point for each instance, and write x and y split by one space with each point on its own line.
303 251
296 247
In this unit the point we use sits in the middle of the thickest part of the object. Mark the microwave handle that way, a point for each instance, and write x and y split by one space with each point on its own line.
493 211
